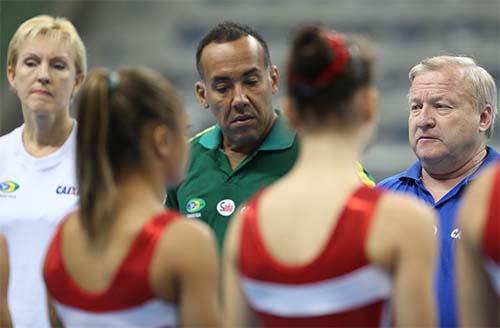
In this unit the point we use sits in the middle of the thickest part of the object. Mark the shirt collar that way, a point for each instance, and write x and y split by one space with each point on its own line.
280 137
414 171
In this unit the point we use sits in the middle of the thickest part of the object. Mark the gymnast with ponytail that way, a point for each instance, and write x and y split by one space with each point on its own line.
318 248
121 259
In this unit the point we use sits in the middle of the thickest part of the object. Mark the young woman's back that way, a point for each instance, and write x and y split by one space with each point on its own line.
136 280
312 252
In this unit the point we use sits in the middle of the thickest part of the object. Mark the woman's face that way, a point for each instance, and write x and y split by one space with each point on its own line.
44 77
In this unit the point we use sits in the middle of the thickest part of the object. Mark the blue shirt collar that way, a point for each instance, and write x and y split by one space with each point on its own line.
414 171
280 137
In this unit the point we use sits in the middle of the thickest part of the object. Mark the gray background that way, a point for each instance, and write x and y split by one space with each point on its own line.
164 34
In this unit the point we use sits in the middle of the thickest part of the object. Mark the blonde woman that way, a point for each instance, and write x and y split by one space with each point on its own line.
46 64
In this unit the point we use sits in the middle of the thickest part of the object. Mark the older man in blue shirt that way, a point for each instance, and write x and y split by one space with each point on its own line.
452 108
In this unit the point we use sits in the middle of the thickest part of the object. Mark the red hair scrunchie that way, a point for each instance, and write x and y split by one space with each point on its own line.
337 65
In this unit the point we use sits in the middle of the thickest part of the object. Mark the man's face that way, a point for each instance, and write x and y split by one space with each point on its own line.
238 88
443 123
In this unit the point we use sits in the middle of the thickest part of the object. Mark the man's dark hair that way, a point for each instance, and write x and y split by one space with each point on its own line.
227 32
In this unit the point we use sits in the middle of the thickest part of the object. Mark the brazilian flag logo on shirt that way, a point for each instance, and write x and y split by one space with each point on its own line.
195 205
8 186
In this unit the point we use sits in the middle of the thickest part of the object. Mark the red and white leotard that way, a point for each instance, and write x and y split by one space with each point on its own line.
128 301
491 233
340 287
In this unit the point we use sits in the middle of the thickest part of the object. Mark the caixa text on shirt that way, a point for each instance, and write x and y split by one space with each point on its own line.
68 190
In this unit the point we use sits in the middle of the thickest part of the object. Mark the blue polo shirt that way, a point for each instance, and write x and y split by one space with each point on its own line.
410 181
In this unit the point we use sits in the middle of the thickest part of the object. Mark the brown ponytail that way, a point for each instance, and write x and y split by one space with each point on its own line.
113 111
94 172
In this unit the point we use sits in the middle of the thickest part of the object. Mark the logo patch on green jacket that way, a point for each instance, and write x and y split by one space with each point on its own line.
195 205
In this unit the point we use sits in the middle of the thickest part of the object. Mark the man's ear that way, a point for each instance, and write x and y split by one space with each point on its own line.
11 76
275 78
201 93
290 110
486 118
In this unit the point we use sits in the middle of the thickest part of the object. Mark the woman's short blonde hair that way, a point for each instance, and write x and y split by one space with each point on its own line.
58 28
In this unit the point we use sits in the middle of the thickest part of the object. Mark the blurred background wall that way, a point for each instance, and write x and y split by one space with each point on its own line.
164 34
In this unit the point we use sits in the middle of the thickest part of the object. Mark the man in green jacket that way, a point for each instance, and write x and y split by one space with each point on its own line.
251 145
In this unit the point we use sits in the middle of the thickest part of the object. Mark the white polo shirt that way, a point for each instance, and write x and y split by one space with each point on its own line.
35 194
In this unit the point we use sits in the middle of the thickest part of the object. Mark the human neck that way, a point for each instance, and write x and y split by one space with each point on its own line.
43 135
140 193
468 167
327 153
138 197
439 184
